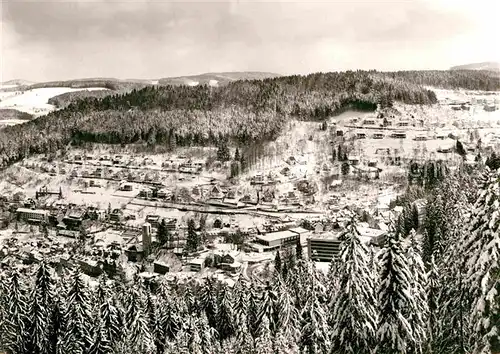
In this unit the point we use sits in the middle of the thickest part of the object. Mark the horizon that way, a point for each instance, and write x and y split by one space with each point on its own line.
147 40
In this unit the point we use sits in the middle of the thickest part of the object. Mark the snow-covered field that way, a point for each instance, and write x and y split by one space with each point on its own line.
35 101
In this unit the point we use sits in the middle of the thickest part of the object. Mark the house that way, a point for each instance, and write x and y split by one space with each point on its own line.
135 253
290 198
339 132
160 267
116 215
378 136
369 122
336 183
291 160
372 163
285 171
153 219
216 192
490 108
249 199
146 193
361 135
164 194
420 137
196 191
126 187
258 179
403 123
353 160
196 265
74 219
398 135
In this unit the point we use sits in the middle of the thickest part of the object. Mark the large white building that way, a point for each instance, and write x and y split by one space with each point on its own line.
32 215
323 247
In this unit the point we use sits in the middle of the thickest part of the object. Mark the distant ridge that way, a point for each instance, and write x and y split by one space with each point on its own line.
487 65
217 79
18 82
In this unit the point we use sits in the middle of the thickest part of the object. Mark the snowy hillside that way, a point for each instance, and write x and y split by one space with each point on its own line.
34 101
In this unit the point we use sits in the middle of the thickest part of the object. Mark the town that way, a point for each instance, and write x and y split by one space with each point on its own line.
200 212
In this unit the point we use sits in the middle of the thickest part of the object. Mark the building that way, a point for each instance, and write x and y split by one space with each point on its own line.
323 247
146 237
276 240
153 220
126 187
160 267
74 218
196 265
361 135
378 136
398 135
32 215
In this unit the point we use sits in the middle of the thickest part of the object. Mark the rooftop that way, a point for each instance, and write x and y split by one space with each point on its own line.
299 230
273 236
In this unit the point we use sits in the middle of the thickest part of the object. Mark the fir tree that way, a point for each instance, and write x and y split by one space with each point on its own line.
253 311
314 338
208 302
395 300
483 267
237 155
42 298
77 337
193 238
100 343
418 316
225 315
354 315
244 340
277 263
112 320
162 234
14 330
432 292
298 249
139 338
264 343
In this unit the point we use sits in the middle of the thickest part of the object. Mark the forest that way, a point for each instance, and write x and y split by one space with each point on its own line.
243 112
432 288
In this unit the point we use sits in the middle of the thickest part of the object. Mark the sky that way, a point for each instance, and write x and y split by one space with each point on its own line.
60 39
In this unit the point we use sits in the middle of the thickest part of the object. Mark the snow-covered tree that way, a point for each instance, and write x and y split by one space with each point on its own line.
432 292
354 316
225 315
100 342
395 299
15 332
139 338
208 302
418 316
315 336
264 342
78 318
41 301
483 267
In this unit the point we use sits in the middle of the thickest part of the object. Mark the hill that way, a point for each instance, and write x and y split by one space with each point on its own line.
124 86
488 65
218 79
17 82
246 113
